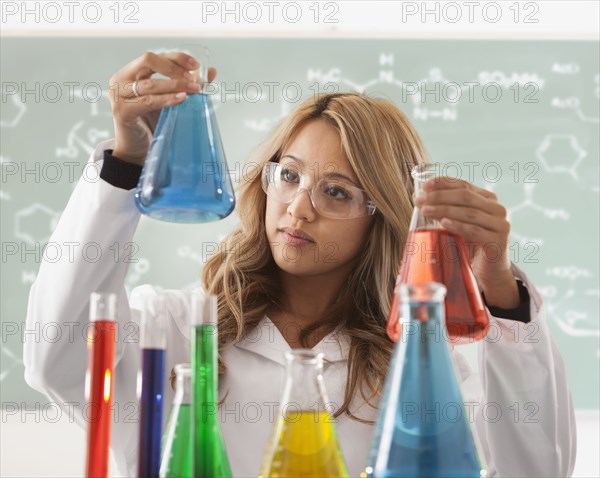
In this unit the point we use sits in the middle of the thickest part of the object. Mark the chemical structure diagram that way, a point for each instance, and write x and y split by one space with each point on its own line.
81 143
35 223
84 135
434 97
573 103
561 302
529 203
564 144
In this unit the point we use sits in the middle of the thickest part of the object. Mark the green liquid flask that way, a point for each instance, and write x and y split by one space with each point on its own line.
422 429
177 454
210 456
304 441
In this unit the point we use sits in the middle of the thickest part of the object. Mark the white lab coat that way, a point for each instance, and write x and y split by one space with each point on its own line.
535 437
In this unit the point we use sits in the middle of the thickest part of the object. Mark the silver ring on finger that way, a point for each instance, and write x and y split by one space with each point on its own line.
134 88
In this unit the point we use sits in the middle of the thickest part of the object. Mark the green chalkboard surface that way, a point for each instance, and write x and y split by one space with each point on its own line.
519 117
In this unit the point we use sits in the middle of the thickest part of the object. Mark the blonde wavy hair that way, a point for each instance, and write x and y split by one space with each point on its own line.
382 147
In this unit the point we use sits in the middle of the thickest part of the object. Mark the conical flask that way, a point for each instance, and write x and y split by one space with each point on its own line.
210 456
177 456
185 177
432 254
304 442
422 429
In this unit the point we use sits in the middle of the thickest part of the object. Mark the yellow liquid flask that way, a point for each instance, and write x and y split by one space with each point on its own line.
304 442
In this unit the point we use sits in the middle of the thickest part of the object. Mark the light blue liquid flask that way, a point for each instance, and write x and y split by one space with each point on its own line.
422 429
185 177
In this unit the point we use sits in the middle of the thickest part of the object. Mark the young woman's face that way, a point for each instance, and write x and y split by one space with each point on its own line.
316 151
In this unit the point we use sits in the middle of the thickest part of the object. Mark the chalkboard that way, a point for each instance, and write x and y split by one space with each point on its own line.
518 117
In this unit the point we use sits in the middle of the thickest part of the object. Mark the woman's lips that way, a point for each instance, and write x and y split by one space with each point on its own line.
295 240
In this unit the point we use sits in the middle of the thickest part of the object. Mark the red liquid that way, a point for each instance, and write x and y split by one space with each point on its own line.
435 255
101 345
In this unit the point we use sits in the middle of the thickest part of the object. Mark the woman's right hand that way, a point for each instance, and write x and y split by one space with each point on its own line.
135 117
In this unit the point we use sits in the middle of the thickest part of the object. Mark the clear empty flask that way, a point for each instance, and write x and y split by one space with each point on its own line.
304 442
422 429
185 177
433 254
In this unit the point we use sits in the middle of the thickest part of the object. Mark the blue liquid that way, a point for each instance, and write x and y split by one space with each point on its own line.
422 428
185 177
151 412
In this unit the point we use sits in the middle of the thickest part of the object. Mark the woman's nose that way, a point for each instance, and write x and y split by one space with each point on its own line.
301 206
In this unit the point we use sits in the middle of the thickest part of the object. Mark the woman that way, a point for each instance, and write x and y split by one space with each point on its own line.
301 270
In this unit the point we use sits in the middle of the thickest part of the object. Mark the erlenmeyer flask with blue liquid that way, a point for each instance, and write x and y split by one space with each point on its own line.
185 177
422 429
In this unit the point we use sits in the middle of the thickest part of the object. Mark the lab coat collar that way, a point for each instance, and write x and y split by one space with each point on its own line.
267 340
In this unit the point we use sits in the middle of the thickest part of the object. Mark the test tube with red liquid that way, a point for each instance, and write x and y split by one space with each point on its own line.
99 381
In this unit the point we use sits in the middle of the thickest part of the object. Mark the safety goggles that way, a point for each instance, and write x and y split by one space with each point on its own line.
331 197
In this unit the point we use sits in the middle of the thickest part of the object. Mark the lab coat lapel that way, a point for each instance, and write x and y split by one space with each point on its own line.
266 340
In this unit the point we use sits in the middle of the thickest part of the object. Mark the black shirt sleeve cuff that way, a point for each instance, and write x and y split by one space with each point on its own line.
119 173
520 313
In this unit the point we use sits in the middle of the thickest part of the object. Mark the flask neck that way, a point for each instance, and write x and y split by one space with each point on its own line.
183 384
422 173
200 76
422 303
304 389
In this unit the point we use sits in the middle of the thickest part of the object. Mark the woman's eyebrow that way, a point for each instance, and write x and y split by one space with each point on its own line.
328 175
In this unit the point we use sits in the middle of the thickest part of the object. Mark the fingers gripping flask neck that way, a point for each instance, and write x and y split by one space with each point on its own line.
433 254
185 178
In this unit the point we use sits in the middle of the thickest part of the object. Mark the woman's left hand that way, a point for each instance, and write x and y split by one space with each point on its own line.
476 215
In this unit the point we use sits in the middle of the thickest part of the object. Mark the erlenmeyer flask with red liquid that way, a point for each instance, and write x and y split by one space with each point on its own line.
433 254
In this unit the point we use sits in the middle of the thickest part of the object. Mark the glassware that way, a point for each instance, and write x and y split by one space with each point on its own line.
153 342
99 381
185 177
304 440
432 254
422 430
210 456
177 458
335 197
